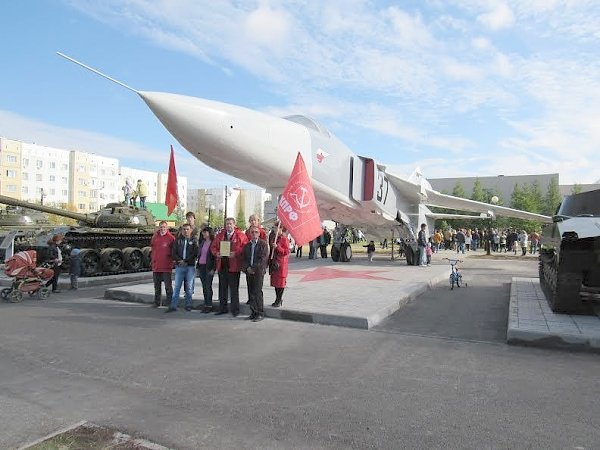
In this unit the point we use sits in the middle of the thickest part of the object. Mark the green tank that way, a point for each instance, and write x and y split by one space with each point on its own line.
16 217
114 240
570 255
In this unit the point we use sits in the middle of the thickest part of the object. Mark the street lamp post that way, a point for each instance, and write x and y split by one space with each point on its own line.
493 201
210 209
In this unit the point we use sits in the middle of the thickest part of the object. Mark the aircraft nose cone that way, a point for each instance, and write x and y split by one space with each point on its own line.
246 144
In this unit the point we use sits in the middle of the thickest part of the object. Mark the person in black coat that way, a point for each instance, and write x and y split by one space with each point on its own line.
185 255
255 257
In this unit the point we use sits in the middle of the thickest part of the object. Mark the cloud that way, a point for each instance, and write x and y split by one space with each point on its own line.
432 70
501 16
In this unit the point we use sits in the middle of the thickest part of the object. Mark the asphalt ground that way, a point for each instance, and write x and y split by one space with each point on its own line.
434 375
476 312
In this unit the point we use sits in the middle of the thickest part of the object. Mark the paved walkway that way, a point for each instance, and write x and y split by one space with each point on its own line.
532 322
357 294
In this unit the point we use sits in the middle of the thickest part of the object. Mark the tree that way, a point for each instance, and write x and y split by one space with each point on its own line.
478 192
459 190
241 219
552 199
576 189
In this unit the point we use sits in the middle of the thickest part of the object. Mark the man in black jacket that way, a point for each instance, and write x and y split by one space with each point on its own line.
185 254
255 256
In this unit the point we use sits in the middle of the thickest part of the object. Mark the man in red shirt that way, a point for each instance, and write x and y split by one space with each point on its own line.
228 267
162 262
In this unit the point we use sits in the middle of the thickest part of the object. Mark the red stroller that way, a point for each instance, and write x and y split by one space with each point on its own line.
27 277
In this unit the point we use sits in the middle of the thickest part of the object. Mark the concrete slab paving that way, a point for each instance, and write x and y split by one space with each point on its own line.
357 294
531 322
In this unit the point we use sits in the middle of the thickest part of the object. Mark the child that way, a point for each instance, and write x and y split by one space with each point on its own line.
428 253
370 250
75 267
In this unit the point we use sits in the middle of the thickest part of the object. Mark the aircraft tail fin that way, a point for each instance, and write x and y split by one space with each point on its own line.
97 72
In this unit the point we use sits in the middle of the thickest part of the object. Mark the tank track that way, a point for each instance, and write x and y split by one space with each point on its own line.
96 242
561 286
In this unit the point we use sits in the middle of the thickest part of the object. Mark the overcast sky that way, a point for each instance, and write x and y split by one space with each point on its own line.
457 88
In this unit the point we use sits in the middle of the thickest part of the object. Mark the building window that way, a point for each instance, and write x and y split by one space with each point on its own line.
82 194
52 192
64 167
24 190
39 164
82 206
38 177
11 188
11 173
52 165
11 158
82 182
63 180
24 176
65 192
25 162
80 168
52 178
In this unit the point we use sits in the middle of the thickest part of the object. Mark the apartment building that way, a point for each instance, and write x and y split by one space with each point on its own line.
84 182
94 181
11 180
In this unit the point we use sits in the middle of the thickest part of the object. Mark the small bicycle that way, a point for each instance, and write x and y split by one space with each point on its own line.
455 275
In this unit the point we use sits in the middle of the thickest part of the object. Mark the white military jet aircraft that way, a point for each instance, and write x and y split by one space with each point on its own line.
350 189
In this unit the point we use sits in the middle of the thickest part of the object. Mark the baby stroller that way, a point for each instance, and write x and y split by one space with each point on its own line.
26 277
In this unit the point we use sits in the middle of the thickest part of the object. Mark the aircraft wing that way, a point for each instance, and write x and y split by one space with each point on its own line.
427 196
435 198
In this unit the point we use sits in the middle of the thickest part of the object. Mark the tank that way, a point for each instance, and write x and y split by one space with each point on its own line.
570 255
22 218
114 240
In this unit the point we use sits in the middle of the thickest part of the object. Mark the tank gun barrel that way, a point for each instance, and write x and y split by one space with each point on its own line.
86 218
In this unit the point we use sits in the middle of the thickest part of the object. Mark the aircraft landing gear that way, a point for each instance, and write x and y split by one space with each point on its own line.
341 252
410 255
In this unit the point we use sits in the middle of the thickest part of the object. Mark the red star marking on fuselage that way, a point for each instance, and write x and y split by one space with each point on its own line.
326 273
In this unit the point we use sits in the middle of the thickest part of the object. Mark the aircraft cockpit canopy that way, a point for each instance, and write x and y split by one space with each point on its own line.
309 123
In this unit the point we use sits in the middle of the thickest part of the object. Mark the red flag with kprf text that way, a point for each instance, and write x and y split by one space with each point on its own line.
171 198
297 207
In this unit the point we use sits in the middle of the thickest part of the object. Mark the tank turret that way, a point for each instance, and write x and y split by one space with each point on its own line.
113 215
18 217
570 254
114 240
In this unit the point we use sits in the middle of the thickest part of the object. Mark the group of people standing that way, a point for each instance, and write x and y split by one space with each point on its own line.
463 240
228 253
131 194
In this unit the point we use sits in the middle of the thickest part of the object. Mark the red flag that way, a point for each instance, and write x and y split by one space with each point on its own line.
297 208
171 198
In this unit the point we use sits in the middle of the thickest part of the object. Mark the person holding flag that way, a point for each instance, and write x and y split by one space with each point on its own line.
298 214
278 268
